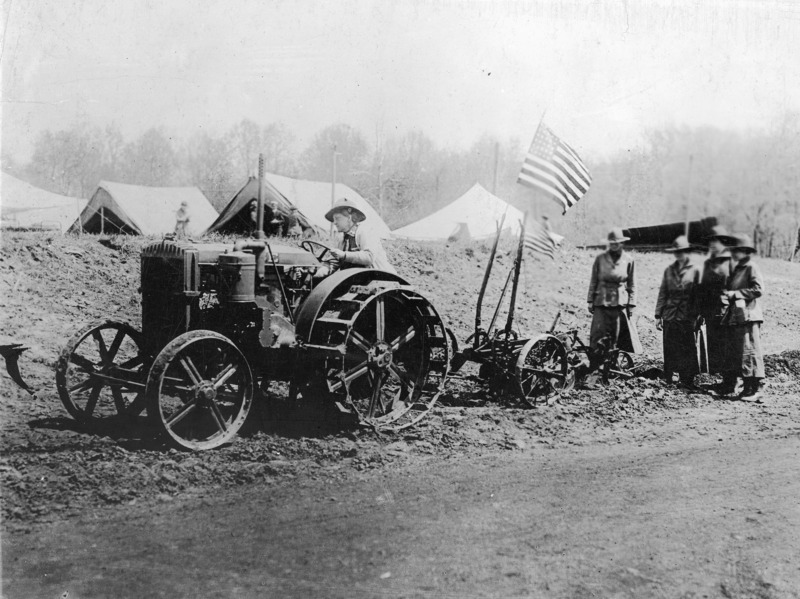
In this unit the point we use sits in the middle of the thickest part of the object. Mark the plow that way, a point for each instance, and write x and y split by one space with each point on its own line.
533 369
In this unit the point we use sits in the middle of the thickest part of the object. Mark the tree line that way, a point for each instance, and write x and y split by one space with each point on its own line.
749 180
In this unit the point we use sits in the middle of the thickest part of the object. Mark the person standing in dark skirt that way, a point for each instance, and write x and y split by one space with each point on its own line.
676 314
745 316
611 290
713 287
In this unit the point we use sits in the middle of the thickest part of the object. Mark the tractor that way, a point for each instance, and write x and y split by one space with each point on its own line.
220 321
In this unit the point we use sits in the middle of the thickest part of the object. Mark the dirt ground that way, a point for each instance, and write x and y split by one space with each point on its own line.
632 490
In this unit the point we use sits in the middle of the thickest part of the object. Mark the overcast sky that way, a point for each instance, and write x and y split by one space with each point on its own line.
602 72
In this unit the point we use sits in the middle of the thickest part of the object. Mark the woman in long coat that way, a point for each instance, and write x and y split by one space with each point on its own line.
676 314
611 290
713 287
745 289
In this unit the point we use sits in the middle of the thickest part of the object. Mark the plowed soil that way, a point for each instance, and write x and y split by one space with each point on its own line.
635 489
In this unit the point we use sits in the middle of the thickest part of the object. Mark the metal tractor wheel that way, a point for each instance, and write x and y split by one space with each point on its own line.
618 365
99 373
542 369
199 390
383 349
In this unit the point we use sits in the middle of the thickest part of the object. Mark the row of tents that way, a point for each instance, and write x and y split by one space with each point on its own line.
135 209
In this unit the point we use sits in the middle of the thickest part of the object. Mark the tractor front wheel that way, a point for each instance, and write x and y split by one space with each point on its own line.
199 390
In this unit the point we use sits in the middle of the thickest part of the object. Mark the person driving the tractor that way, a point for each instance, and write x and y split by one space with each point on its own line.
360 246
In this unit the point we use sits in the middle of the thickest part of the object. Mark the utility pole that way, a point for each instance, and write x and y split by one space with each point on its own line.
333 183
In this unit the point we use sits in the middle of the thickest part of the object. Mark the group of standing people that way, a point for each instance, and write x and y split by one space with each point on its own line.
723 296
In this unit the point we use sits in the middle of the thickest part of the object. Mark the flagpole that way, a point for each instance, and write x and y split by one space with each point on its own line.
688 199
535 204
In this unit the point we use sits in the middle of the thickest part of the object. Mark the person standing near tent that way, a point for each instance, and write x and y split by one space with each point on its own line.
360 247
676 314
745 316
291 224
611 292
182 219
711 292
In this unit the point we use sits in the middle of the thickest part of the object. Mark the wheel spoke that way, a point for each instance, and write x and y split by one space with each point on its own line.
101 345
115 345
93 397
190 369
119 400
130 363
404 338
218 418
403 377
375 397
84 363
380 319
223 376
185 410
82 386
359 341
350 375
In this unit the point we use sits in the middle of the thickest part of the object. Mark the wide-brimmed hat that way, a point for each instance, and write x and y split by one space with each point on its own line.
721 233
184 203
742 241
681 244
342 205
616 236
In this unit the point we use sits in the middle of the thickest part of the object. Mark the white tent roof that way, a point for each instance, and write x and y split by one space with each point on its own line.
479 209
23 205
148 210
313 198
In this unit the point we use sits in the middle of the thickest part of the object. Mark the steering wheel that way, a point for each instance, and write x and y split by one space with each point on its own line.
322 250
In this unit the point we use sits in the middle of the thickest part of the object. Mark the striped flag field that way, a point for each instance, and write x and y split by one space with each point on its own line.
551 166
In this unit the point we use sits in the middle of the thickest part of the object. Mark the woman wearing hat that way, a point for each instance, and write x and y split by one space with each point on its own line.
611 290
360 247
746 287
710 305
676 313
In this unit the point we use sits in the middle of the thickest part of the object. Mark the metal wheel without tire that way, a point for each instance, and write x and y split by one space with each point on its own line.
542 369
199 390
619 365
393 347
99 373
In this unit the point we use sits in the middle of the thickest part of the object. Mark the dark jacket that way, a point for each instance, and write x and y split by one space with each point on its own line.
677 296
713 285
747 283
612 282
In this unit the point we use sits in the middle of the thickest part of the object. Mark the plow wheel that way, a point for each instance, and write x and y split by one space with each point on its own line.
388 354
542 369
618 365
99 373
199 390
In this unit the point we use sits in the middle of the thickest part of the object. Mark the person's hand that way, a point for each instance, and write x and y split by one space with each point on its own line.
659 324
629 310
591 308
338 254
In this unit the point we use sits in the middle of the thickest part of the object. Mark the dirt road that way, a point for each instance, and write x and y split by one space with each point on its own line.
704 504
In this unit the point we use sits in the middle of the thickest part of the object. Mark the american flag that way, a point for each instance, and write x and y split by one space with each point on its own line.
538 238
553 167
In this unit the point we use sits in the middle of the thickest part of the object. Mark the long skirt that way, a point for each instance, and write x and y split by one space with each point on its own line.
746 355
680 352
718 343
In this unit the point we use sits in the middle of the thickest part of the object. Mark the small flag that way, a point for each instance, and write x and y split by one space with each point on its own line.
538 238
556 169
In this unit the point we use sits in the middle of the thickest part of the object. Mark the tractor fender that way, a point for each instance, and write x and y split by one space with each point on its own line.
334 285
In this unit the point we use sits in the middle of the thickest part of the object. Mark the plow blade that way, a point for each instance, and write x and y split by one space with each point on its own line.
11 353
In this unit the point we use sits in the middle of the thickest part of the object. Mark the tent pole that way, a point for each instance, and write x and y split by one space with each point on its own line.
333 184
102 220
260 212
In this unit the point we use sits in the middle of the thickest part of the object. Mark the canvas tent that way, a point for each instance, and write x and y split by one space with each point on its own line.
313 198
25 206
140 210
477 213
234 218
